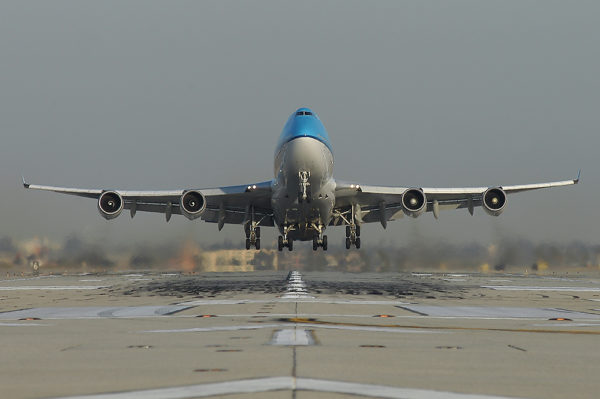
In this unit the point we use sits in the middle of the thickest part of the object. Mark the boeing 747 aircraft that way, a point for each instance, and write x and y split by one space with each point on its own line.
303 198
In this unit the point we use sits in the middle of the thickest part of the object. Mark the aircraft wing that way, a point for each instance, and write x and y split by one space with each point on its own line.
224 205
382 203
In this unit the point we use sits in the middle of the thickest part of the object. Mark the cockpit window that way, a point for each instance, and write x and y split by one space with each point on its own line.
299 113
302 113
308 113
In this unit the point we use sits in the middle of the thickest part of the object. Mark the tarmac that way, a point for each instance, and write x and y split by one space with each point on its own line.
300 335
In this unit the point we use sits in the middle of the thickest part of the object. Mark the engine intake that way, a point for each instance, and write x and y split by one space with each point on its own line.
494 201
414 202
193 204
110 204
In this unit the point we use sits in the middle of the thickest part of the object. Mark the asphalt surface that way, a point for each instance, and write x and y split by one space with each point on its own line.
300 335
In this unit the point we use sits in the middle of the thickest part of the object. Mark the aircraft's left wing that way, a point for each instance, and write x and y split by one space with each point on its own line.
223 205
381 203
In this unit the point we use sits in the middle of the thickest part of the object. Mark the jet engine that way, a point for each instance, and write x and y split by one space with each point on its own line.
494 201
414 202
110 204
193 204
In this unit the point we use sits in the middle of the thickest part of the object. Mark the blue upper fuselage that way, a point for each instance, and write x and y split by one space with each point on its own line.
303 123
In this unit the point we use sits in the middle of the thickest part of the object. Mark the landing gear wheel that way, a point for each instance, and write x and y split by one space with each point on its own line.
247 243
348 243
348 231
324 243
358 231
257 244
357 243
315 243
290 244
280 243
300 197
257 232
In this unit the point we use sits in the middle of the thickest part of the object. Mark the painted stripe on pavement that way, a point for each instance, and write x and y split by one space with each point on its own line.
287 384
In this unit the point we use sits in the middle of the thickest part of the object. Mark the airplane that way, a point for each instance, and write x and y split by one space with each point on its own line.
303 198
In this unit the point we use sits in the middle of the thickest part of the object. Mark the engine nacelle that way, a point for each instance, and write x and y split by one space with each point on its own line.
414 202
110 204
193 204
494 201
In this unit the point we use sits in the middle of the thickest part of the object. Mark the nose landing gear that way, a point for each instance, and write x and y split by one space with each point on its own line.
304 192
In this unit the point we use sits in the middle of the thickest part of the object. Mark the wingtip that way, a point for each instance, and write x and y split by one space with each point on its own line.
576 181
25 184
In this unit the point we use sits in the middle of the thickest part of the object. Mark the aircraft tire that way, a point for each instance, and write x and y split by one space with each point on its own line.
280 243
348 243
315 243
257 232
290 245
357 243
324 243
247 243
358 231
257 244
348 231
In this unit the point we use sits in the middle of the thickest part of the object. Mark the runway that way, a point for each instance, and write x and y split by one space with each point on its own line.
300 335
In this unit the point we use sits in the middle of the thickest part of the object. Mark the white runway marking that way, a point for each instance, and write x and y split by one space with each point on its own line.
53 287
201 302
292 337
315 326
92 312
496 312
284 384
296 288
540 288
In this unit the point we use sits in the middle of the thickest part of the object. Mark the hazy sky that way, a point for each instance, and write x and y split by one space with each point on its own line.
187 94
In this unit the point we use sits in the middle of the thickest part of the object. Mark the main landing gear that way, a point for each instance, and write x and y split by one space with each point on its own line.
320 243
319 240
352 236
252 236
284 240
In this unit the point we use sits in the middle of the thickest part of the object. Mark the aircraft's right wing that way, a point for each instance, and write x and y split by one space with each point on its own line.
382 204
222 205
